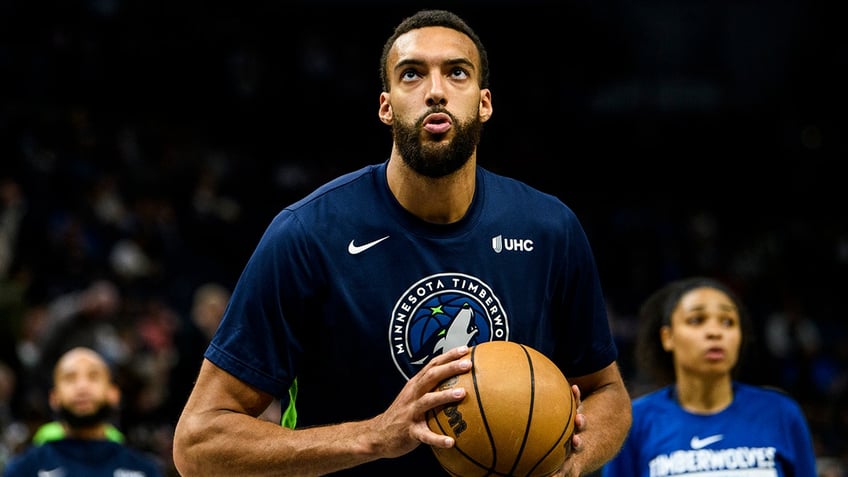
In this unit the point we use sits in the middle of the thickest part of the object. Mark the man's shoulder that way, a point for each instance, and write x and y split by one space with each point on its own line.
24 462
341 188
510 188
143 460
71 452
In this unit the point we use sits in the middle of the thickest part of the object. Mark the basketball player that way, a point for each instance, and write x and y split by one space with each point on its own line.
704 421
363 296
84 398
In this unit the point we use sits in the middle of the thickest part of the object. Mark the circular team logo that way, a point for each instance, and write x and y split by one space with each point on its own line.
441 312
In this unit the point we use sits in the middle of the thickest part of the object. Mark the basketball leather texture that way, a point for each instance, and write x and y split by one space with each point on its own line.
517 418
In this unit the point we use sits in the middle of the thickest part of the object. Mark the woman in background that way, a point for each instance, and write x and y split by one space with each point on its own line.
704 421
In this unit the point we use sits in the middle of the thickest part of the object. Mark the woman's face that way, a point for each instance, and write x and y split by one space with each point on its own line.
705 334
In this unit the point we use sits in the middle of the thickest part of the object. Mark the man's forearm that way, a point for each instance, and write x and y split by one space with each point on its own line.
608 418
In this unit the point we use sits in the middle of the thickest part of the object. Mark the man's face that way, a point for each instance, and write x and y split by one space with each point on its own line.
83 394
436 108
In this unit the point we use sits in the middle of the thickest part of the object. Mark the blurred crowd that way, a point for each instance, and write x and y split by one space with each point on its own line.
125 222
75 278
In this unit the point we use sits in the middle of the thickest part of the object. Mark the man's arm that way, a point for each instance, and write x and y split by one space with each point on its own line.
219 433
604 418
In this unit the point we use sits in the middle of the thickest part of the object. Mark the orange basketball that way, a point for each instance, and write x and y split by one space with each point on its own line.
517 418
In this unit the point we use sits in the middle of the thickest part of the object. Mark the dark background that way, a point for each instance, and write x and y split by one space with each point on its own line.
698 137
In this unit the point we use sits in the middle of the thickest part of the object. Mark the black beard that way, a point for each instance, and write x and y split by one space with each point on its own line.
84 421
436 160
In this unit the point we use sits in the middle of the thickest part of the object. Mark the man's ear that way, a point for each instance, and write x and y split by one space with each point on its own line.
385 112
485 105
53 400
113 395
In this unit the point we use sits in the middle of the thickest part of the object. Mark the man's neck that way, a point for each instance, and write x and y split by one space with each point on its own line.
441 200
96 432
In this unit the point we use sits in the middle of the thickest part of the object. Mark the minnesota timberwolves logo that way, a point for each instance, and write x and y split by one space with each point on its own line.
441 312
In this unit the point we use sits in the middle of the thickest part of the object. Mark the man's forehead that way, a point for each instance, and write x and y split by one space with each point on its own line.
77 359
439 40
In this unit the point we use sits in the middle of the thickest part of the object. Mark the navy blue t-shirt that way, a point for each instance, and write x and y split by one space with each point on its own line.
352 295
77 457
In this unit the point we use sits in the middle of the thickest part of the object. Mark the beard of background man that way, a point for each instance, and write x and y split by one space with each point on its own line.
75 420
432 159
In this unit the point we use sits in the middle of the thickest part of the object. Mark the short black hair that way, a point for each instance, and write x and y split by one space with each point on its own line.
434 18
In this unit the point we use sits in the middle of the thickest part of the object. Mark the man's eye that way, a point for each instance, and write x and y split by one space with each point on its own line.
409 74
459 73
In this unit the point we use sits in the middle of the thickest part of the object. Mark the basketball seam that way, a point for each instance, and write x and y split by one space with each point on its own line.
520 453
559 439
492 443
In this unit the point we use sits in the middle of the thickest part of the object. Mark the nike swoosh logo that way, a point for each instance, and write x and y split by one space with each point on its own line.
354 249
697 443
57 472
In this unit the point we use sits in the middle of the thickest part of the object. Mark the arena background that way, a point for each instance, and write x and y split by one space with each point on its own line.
151 142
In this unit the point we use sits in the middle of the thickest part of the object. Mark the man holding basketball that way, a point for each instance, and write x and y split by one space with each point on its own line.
363 296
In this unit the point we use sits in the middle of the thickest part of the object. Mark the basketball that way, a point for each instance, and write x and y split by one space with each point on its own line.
517 418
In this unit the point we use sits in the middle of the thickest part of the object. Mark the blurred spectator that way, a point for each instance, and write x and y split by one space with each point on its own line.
84 397
13 432
86 317
207 307
794 341
210 300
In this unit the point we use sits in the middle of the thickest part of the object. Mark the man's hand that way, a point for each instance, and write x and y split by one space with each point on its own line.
403 426
567 469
